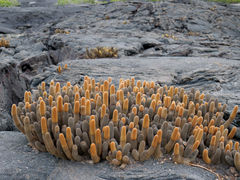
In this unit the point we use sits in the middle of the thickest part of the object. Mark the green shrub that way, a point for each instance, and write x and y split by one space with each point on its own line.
8 3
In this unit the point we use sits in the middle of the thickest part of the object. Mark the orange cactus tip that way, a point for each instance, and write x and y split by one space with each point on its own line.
153 104
131 125
68 133
119 155
59 69
199 135
139 84
221 139
236 146
134 134
123 119
59 103
202 96
195 145
125 104
194 121
185 99
98 137
205 129
65 107
159 133
65 66
112 146
123 133
180 112
232 132
45 94
121 96
76 107
105 98
211 123
213 141
153 96
227 147
92 127
172 106
58 87
152 84
134 111
44 125
42 108
141 108
211 129
83 101
178 122
14 110
87 94
106 132
62 140
212 107
106 85
146 121
26 99
138 98
76 97
159 112
88 108
43 86
54 115
115 116
234 112
200 120
68 84
50 100
155 141
175 135
205 156
103 110
85 85
112 89
93 150
176 149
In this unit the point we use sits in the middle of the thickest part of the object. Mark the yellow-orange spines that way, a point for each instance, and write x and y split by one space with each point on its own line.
185 100
60 104
112 89
42 108
227 147
54 115
103 110
65 107
106 132
76 107
159 133
50 100
205 156
234 112
123 136
43 86
175 134
106 85
58 87
115 117
141 108
119 155
134 134
105 98
93 150
98 137
88 108
92 127
68 133
176 149
145 121
125 105
62 140
232 132
44 125
195 145
199 135
131 125
138 98
134 110
155 141
14 110
236 146
213 141
112 146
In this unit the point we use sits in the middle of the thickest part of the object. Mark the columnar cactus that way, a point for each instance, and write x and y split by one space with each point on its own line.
134 122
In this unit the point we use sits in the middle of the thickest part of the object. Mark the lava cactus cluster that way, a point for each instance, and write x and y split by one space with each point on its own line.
136 121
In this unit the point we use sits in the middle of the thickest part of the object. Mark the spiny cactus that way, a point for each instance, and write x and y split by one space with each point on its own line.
101 52
4 43
134 122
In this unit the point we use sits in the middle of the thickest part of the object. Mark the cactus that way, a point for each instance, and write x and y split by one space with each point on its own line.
141 120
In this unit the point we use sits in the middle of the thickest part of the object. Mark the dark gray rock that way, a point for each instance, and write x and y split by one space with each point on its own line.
19 161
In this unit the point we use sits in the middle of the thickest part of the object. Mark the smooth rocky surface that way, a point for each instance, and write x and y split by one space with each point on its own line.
19 161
